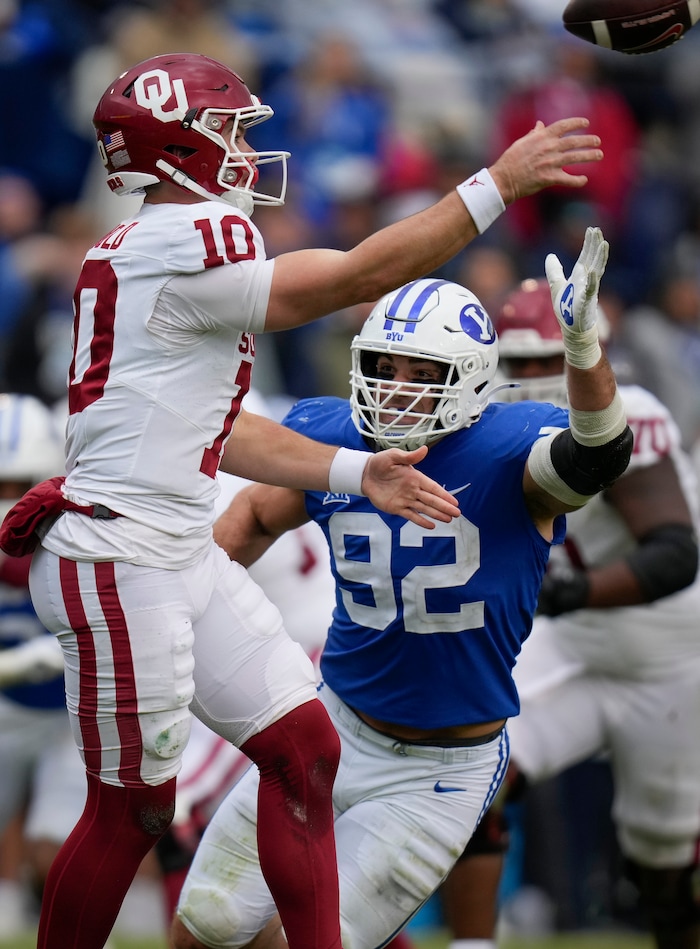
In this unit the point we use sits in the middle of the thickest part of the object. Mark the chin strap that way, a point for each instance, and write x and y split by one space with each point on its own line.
242 200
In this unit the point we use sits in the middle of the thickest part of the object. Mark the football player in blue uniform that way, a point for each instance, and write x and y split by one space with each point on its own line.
427 624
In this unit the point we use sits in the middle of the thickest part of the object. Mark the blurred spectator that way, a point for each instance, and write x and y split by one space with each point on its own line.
490 273
332 114
663 339
479 20
502 40
137 33
36 52
287 361
20 215
38 347
682 82
574 86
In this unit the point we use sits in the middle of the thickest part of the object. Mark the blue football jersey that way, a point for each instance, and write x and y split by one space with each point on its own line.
428 623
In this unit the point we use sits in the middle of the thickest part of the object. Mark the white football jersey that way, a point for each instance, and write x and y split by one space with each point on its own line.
166 308
639 642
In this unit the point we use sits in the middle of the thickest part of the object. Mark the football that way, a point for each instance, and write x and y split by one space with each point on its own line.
631 26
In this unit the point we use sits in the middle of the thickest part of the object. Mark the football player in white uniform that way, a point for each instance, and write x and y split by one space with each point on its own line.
427 626
155 622
613 662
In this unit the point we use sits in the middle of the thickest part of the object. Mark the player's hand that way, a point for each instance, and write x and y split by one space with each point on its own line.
392 484
538 159
562 592
37 660
575 299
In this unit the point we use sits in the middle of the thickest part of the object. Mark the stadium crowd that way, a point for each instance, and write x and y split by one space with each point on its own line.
384 105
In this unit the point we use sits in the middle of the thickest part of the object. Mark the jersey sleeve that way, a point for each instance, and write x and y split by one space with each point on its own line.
656 435
224 297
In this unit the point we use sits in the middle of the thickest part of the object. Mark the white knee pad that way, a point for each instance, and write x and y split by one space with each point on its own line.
165 735
225 901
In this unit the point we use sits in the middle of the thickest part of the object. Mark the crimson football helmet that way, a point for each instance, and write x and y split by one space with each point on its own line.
528 329
163 120
425 319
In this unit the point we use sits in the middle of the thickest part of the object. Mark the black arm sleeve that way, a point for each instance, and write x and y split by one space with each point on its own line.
588 470
666 560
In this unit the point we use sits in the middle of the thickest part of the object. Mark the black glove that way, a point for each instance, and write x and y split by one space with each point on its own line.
562 592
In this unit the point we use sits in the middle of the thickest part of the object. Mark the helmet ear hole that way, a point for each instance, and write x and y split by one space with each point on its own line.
180 151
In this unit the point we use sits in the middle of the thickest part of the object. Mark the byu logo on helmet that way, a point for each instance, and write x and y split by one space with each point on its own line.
477 324
566 305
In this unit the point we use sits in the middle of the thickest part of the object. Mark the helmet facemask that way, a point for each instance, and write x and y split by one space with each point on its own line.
239 171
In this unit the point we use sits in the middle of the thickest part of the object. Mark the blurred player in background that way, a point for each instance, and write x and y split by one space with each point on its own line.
417 667
613 662
34 729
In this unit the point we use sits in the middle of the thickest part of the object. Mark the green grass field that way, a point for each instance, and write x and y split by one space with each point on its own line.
430 940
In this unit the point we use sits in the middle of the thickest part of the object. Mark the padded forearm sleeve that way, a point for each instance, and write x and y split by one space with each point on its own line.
665 561
586 457
572 472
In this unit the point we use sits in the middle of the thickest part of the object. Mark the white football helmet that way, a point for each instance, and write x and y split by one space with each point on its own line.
528 329
30 447
425 319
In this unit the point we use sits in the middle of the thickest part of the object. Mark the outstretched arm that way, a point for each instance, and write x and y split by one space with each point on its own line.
564 471
307 284
255 518
262 450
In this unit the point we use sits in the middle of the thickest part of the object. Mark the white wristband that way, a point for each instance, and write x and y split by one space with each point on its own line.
482 199
347 468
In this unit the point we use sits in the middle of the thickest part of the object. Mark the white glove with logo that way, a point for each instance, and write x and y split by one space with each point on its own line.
575 300
37 660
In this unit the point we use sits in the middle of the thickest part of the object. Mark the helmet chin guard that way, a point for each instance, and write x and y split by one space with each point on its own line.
167 119
432 320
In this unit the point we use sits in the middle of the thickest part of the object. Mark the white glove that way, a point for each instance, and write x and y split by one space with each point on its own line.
575 300
37 660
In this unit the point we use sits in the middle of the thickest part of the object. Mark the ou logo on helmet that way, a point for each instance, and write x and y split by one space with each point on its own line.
154 89
477 324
